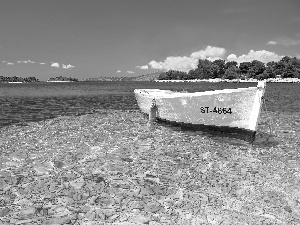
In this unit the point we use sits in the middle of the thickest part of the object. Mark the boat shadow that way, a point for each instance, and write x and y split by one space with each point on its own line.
229 135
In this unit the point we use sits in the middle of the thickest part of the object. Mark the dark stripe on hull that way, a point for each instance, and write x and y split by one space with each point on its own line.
221 131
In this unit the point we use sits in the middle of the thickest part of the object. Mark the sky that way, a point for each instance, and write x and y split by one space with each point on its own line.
94 38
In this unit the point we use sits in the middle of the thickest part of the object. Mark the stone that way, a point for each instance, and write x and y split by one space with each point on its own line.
58 164
64 200
269 216
29 221
28 211
4 212
139 219
105 201
3 184
91 215
77 183
288 209
154 223
61 211
12 163
41 170
153 207
136 205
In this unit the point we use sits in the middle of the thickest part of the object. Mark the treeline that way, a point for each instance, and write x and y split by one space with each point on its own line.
18 79
61 78
286 68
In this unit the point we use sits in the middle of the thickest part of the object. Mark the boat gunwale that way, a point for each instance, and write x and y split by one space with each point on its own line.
168 93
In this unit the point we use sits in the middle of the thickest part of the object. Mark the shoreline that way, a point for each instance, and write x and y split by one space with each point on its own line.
218 80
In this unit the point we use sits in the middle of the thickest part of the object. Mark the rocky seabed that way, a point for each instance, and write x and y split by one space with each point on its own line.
112 167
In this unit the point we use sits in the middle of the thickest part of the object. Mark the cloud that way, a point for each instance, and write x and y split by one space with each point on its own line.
56 65
210 53
119 71
130 71
10 63
182 63
272 43
285 41
4 61
24 61
186 63
69 66
42 63
145 67
263 56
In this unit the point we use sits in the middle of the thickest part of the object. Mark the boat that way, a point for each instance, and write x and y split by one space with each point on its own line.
229 110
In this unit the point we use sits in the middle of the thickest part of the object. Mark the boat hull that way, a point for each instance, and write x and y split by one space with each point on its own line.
228 108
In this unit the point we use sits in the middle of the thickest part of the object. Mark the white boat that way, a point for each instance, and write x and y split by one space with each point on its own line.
232 110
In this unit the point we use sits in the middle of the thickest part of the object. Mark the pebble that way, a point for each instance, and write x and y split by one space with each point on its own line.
85 196
58 164
28 211
288 209
153 207
136 205
60 220
3 184
268 216
77 183
65 200
12 163
108 212
91 214
23 221
154 223
61 211
41 170
4 212
139 219
77 197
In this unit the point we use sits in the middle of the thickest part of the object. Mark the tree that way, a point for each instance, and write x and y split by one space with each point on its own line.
244 68
214 71
289 71
163 76
295 62
221 67
252 69
285 59
192 74
269 72
173 75
257 68
230 63
231 73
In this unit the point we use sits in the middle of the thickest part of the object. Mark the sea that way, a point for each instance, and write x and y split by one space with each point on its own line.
21 103
84 150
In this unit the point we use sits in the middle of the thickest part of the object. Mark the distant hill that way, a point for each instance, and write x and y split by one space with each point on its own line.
110 79
146 77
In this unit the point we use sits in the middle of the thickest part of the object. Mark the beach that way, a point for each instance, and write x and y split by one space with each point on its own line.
217 80
112 167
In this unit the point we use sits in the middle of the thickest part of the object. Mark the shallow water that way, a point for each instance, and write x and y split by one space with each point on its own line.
178 177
